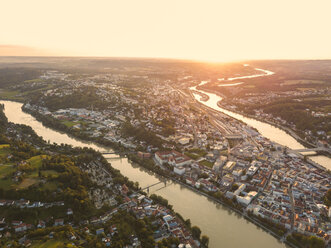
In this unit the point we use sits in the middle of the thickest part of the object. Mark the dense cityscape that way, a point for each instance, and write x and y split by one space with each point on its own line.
166 125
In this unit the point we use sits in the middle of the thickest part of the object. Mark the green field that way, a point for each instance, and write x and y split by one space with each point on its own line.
36 161
195 153
4 146
30 178
5 183
198 151
6 169
19 96
27 92
4 151
51 186
192 155
71 123
27 182
47 173
10 94
51 244
5 176
206 163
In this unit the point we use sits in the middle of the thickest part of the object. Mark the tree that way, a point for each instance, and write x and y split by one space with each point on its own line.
285 151
196 232
305 158
234 187
205 240
327 198
315 242
204 175
188 222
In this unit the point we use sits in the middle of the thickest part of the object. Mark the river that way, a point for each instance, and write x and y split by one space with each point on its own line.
271 132
224 227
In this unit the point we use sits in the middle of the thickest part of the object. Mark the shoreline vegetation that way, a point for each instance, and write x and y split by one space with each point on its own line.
289 131
68 150
277 232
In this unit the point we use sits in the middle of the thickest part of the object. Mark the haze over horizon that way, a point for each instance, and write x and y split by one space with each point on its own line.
200 30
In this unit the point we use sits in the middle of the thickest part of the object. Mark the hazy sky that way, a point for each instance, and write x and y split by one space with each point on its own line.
208 30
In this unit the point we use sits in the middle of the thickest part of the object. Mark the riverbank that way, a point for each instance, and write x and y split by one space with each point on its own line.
255 221
292 133
274 133
285 129
200 193
100 164
167 176
288 130
219 221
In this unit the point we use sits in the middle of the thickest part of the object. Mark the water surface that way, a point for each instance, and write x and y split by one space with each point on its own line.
224 227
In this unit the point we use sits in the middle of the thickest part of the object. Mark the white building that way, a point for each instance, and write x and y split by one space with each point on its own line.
173 158
246 199
252 170
179 170
184 141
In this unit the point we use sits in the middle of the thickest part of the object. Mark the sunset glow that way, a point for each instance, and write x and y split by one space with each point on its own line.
200 30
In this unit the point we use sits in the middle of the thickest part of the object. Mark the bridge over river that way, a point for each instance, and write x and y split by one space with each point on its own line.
118 153
315 149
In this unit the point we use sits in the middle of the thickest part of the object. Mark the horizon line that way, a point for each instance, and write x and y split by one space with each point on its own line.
161 58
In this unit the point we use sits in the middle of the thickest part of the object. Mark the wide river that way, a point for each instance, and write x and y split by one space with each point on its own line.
224 227
269 131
